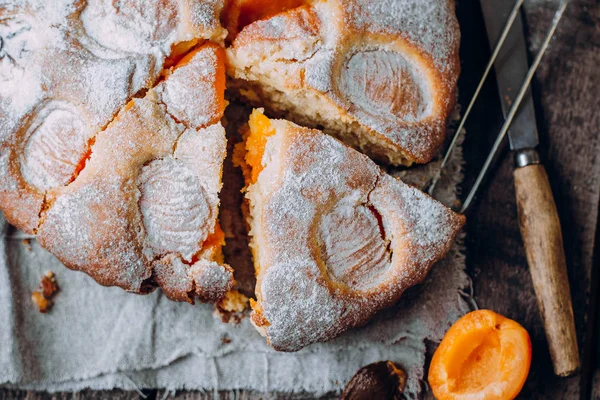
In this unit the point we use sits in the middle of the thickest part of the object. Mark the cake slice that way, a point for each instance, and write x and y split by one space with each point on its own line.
380 75
334 238
143 210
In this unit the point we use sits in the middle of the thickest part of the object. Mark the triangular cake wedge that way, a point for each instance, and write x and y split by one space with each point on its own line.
380 75
334 238
143 211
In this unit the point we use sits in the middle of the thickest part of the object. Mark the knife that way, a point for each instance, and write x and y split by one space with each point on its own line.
538 216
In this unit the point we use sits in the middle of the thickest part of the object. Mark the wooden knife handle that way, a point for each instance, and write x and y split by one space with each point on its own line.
540 229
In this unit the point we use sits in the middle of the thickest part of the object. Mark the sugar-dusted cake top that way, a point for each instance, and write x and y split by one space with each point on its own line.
335 238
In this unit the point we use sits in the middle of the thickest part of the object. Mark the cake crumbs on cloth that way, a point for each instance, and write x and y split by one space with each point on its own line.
231 308
27 244
43 296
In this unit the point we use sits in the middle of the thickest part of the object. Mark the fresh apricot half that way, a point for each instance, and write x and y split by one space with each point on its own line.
482 356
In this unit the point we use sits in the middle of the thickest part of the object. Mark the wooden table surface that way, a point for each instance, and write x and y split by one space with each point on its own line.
567 95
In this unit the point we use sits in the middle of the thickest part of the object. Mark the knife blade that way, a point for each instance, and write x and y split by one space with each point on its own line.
511 67
538 216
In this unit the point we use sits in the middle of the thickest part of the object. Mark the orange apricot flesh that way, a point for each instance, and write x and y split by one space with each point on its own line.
213 244
248 155
257 316
178 51
218 79
260 130
215 239
483 355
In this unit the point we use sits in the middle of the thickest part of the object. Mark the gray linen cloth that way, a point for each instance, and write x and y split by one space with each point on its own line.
100 338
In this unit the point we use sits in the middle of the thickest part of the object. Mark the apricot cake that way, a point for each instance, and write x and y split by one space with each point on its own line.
380 75
112 148
132 200
66 68
334 238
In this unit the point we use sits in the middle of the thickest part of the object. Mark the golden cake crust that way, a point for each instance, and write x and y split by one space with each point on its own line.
335 239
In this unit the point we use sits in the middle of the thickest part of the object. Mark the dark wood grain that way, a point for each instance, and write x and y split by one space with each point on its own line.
567 95
566 104
154 395
86 394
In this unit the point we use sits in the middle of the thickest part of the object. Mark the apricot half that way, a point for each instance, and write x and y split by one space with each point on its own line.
483 355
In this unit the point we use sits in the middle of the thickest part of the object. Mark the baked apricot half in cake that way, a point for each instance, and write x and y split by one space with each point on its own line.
334 238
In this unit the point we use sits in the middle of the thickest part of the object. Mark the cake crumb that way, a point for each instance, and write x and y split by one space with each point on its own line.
233 301
27 244
42 297
231 307
225 339
43 304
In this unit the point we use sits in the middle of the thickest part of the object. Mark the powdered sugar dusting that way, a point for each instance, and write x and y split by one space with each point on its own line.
195 94
132 26
23 37
203 151
387 85
430 25
87 235
423 222
294 36
212 280
336 238
171 273
202 19
204 279
353 245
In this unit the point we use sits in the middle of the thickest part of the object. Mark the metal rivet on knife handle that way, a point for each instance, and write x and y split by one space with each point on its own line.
526 157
